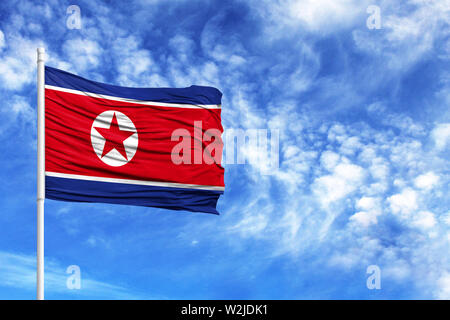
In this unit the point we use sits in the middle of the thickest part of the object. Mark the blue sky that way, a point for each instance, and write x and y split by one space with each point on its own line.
364 123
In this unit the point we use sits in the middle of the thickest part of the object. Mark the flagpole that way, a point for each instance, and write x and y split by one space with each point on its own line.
40 172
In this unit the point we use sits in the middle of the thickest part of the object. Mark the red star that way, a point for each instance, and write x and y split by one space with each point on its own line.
114 137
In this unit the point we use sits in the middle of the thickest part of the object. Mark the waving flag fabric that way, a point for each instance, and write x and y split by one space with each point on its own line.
114 144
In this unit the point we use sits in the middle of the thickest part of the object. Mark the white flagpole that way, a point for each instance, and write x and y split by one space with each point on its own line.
40 172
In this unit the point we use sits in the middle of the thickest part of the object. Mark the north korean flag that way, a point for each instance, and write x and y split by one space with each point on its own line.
156 147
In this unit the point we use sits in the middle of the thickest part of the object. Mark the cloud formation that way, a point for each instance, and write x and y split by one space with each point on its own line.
364 146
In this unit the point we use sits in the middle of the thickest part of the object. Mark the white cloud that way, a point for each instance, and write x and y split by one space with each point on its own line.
183 47
2 40
424 220
337 133
324 15
426 181
95 241
251 225
408 34
403 203
395 120
444 286
367 154
84 54
379 168
446 218
346 178
441 135
370 209
133 63
367 203
313 15
364 218
350 146
16 111
19 271
21 107
329 160
18 62
397 269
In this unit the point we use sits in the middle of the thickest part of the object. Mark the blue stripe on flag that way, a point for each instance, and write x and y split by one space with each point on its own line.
149 196
198 95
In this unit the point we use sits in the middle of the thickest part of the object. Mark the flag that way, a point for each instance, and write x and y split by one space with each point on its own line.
155 147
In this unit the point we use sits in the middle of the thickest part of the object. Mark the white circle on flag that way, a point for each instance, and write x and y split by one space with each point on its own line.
114 131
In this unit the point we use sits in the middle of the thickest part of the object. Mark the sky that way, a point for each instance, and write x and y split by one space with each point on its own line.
364 135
